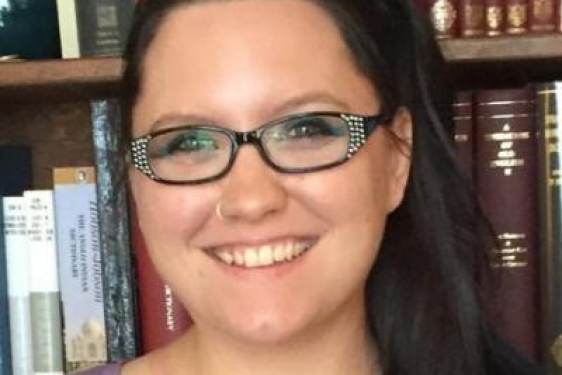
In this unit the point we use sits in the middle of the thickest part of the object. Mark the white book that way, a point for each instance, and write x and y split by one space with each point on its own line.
80 270
18 285
68 29
44 289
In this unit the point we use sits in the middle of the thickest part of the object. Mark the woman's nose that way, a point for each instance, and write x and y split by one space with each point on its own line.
252 190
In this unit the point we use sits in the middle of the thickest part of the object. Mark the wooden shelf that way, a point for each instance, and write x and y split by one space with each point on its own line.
511 58
505 49
72 78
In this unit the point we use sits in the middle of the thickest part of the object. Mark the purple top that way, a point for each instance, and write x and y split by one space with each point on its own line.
111 369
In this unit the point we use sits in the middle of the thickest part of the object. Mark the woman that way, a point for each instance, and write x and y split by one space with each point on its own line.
293 182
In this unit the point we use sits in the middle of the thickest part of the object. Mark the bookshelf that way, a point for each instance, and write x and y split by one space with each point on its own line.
46 103
538 57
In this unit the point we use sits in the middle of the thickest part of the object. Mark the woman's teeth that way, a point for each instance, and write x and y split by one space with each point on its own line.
261 256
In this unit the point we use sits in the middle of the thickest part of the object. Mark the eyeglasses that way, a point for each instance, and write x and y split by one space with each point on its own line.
306 142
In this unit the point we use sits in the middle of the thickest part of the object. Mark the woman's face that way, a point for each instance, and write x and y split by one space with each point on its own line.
241 64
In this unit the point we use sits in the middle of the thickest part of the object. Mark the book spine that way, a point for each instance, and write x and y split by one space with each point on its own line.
464 130
80 275
115 246
542 16
17 259
44 289
471 18
443 16
5 345
494 17
103 26
15 169
68 29
162 317
549 120
516 20
506 168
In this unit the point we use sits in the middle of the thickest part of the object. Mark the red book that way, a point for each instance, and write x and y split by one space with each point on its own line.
506 175
516 20
443 16
162 318
471 18
464 135
543 15
495 17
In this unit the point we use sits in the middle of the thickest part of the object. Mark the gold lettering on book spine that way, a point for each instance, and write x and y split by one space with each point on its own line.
494 20
506 157
443 16
513 252
551 138
516 18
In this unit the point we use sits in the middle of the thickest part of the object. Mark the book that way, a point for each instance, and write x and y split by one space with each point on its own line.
506 168
549 120
464 130
5 345
162 318
80 270
46 328
494 11
543 15
94 27
28 29
15 169
471 18
516 19
443 16
17 259
115 245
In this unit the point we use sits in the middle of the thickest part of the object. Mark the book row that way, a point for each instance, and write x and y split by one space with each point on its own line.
69 296
35 29
491 18
508 143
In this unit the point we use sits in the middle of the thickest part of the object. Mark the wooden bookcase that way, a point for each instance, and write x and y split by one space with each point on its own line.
46 103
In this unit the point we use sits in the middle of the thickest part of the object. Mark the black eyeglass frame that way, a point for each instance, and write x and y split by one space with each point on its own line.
360 127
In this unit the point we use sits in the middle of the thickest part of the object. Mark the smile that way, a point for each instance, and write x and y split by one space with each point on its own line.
262 256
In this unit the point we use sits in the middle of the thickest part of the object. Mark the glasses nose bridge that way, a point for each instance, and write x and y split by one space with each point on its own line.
252 137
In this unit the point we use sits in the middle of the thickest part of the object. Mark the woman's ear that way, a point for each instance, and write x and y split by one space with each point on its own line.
400 132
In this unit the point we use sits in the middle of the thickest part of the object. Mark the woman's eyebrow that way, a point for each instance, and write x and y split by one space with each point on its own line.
172 119
314 97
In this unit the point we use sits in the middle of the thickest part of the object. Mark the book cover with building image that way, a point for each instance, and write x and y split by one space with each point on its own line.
80 269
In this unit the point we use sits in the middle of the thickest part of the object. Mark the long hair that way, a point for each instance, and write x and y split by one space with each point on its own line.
423 303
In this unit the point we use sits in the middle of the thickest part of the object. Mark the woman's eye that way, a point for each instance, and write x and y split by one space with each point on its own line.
311 127
187 143
191 143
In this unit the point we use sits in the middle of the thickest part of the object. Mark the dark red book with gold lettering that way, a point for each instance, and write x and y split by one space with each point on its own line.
444 17
516 16
506 170
471 18
161 316
543 15
494 17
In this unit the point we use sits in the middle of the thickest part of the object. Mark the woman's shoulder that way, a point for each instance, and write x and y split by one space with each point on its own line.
110 369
